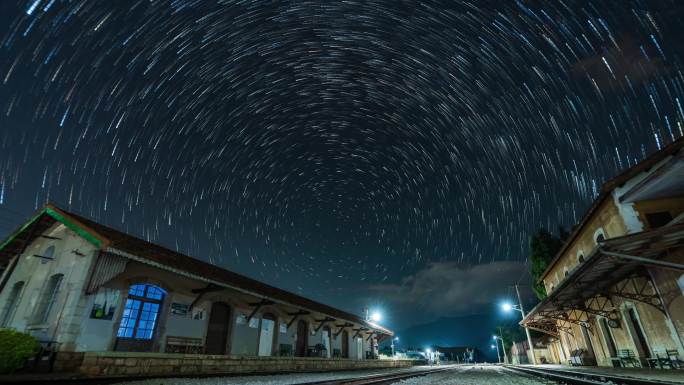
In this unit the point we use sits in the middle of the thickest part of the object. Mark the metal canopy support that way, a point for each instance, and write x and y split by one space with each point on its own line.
323 322
295 316
346 324
358 331
546 328
258 305
639 291
202 291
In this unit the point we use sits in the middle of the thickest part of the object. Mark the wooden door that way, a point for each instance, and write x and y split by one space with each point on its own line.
345 344
217 331
302 338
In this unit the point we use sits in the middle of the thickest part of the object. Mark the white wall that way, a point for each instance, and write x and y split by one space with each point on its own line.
184 326
97 334
35 272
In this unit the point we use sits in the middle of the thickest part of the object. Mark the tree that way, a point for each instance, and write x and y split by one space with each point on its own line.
543 247
510 334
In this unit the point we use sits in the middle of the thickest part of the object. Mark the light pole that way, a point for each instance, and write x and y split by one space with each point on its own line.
503 346
519 307
527 331
498 355
392 345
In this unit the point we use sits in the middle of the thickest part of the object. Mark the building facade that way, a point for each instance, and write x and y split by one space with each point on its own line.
615 289
79 286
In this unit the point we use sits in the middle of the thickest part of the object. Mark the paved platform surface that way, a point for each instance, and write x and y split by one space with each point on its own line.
670 375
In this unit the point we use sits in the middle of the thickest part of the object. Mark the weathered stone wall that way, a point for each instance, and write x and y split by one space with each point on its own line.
121 363
606 219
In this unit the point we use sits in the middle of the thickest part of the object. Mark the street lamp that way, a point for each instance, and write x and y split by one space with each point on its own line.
498 355
376 316
496 339
507 307
392 345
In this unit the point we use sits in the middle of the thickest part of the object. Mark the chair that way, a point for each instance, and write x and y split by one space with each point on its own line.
668 358
627 357
673 356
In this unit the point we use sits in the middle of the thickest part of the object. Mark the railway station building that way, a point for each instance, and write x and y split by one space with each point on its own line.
615 289
81 287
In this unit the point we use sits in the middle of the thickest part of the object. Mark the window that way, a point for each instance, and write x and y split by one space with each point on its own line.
599 236
11 304
141 312
47 299
680 282
658 219
48 255
580 258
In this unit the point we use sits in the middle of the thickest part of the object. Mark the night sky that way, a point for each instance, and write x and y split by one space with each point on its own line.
396 154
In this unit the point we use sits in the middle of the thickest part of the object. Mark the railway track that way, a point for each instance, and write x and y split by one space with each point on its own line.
572 377
379 379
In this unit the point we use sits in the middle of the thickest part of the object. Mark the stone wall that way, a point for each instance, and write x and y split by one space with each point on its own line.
132 364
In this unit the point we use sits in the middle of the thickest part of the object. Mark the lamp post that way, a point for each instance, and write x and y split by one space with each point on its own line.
503 346
519 307
498 355
527 331
392 345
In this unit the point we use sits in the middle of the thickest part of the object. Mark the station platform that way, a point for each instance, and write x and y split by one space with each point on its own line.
665 375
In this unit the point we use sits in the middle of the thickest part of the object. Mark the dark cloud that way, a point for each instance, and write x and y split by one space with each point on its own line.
450 289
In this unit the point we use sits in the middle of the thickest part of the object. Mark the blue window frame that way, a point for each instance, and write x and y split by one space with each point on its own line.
141 311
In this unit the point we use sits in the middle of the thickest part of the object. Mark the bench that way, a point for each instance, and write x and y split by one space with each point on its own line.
184 345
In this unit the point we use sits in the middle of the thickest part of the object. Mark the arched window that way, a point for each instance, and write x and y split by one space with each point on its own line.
47 255
140 314
11 304
565 274
580 257
47 299
599 236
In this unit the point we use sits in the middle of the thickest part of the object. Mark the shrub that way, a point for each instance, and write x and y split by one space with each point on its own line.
15 348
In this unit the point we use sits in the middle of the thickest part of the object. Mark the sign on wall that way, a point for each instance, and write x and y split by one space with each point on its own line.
104 304
179 309
198 313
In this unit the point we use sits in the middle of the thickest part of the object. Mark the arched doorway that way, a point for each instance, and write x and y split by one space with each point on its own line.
218 328
345 344
267 334
302 338
138 324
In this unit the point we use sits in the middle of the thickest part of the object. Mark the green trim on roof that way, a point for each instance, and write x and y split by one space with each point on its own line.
74 227
21 230
60 218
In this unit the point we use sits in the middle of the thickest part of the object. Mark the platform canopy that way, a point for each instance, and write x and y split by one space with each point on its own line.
617 267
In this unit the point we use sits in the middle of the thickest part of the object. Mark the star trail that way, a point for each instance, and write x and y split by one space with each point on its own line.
325 145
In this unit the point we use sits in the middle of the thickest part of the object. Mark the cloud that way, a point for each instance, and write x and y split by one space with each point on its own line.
627 61
444 289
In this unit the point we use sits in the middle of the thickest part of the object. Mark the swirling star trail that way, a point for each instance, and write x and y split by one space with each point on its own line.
325 145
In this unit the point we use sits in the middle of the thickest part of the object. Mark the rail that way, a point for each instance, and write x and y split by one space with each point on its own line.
378 379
